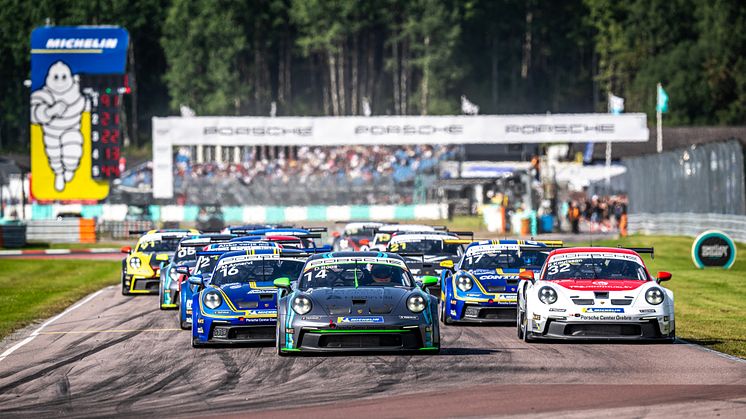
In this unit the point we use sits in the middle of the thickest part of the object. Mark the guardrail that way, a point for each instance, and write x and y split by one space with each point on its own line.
688 224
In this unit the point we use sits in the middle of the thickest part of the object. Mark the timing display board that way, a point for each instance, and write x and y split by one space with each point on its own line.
105 94
71 70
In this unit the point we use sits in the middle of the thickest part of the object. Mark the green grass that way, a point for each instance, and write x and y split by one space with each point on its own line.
36 289
710 304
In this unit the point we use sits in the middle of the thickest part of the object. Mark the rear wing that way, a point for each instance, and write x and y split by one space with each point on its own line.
315 229
645 250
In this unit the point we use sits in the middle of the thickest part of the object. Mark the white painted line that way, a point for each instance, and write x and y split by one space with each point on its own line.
712 351
36 332
104 250
57 251
11 252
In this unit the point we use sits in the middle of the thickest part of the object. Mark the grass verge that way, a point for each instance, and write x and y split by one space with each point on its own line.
710 304
37 289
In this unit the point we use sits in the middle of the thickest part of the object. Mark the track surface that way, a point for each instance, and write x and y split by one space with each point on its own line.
117 355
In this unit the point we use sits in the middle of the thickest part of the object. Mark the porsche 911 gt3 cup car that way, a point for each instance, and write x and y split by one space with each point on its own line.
595 293
141 268
206 260
356 301
186 254
355 236
239 303
384 233
307 235
483 288
429 253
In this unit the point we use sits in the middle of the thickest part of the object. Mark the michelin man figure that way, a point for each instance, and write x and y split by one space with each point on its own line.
58 107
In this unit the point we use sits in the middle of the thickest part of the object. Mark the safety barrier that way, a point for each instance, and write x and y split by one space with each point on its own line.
688 224
12 235
250 214
71 230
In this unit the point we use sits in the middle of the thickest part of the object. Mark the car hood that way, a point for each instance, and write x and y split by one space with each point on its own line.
599 284
363 300
244 296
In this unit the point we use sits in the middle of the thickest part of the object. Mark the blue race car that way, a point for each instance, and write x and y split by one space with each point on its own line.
186 254
239 302
483 288
206 259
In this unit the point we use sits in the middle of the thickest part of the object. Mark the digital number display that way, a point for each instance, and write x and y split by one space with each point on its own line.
106 135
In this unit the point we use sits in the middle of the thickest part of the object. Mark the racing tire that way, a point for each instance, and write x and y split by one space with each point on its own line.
125 289
196 343
443 316
277 343
184 325
160 296
519 324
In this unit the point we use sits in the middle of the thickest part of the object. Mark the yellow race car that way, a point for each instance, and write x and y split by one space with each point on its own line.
141 267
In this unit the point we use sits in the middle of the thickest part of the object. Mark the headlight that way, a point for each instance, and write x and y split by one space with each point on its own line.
654 296
301 304
135 263
212 300
547 295
416 304
464 283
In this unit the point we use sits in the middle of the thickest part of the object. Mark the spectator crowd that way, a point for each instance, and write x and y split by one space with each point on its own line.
601 214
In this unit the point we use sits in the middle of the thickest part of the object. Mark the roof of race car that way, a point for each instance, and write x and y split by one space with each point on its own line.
349 254
506 244
259 253
419 236
280 231
237 246
356 226
151 237
388 228
618 250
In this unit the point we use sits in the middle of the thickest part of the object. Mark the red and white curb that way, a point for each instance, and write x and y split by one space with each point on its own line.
42 252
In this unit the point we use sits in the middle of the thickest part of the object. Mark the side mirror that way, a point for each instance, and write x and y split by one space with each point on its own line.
429 281
181 269
283 283
364 242
527 276
448 264
196 280
162 257
663 276
126 249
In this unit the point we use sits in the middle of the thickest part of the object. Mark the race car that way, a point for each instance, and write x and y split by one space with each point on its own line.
239 302
186 254
355 236
429 253
306 234
206 260
356 301
141 267
384 233
595 293
483 288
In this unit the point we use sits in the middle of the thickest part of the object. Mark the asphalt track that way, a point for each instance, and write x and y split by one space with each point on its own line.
121 356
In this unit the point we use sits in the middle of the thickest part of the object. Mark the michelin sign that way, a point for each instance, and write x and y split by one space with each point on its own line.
61 107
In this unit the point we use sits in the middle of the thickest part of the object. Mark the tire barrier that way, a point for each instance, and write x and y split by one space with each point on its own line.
12 235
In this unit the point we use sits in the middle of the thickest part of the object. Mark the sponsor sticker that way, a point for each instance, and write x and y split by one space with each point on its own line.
603 310
408 317
361 319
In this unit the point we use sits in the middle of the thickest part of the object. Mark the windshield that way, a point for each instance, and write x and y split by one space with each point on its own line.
595 267
184 254
261 270
505 259
355 274
152 246
205 264
427 247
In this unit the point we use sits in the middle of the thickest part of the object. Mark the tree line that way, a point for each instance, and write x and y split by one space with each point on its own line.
402 57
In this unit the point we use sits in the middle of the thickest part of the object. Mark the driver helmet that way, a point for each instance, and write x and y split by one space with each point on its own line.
381 273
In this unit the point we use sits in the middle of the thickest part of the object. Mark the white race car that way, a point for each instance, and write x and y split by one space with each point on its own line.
595 293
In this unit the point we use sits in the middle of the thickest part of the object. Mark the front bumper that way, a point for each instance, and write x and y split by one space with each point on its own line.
641 330
142 285
235 332
391 335
481 312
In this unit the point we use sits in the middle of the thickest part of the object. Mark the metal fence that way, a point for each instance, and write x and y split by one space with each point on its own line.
688 224
706 179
